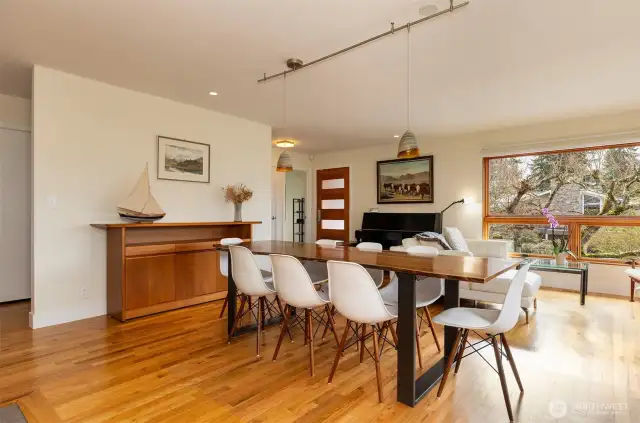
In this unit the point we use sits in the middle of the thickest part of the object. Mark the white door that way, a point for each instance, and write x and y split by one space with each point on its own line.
277 204
15 215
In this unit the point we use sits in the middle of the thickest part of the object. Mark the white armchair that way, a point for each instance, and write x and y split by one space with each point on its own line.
495 290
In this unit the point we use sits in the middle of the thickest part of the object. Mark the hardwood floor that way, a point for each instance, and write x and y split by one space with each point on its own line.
177 367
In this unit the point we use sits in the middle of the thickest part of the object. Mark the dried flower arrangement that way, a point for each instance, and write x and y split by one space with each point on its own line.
237 193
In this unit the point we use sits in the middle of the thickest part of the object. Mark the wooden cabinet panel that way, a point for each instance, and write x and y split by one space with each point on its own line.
155 267
146 250
149 281
196 274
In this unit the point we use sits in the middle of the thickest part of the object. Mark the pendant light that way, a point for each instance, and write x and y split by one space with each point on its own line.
408 145
284 161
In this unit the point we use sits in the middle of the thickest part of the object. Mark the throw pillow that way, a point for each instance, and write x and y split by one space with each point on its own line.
455 239
427 238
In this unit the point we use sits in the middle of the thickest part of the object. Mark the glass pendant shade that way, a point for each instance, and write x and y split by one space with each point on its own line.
408 146
284 163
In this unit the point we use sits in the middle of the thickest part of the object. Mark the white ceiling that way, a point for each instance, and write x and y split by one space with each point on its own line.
490 64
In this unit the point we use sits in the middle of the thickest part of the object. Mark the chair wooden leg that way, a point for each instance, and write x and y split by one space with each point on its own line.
262 314
224 306
309 324
250 304
381 329
343 341
332 312
363 334
376 359
418 347
236 319
503 380
281 310
633 290
394 335
447 367
526 314
535 303
433 329
331 324
507 349
463 344
285 328
259 331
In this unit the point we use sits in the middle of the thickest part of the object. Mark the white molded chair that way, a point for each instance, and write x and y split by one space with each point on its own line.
295 287
376 274
248 277
224 265
354 294
494 323
428 291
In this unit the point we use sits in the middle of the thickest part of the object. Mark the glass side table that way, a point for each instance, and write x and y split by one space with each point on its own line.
573 267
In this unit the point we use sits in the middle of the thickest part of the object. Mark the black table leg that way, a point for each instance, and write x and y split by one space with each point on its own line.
584 285
410 389
231 297
406 381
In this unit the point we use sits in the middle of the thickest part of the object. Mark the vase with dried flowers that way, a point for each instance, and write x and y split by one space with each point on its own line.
237 194
560 242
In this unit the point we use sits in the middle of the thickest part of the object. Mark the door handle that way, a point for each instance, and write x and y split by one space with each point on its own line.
319 215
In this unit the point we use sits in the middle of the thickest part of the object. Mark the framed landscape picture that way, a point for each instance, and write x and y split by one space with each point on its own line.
181 160
405 180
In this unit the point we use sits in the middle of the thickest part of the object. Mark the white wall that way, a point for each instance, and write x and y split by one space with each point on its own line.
15 113
15 215
458 174
91 142
15 198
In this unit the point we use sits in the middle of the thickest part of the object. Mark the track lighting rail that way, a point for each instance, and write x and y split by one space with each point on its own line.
392 31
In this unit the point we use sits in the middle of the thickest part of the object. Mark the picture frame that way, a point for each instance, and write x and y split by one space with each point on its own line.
183 160
405 181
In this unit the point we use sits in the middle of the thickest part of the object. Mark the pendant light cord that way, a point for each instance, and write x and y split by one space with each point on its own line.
284 101
409 76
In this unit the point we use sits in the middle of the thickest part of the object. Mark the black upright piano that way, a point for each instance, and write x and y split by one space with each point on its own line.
389 229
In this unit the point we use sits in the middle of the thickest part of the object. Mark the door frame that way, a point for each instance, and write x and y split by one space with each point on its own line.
274 200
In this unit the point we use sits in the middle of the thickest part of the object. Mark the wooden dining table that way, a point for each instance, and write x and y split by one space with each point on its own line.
453 269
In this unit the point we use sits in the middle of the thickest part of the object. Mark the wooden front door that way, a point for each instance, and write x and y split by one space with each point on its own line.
332 203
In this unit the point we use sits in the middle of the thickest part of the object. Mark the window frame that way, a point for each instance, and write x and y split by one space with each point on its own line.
574 223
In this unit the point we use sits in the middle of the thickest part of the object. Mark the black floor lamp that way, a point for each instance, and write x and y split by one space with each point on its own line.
465 200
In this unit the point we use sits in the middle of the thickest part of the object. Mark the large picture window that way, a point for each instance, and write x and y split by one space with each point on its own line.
594 193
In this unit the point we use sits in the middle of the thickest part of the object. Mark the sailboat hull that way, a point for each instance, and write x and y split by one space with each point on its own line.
134 218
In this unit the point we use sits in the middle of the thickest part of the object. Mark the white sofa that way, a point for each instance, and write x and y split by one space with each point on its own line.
495 290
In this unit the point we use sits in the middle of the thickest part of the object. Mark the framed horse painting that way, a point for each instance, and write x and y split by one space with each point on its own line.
405 180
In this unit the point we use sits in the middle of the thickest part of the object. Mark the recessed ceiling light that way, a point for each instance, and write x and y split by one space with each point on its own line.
213 93
396 136
285 143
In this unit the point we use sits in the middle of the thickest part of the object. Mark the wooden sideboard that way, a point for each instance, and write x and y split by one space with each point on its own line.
155 267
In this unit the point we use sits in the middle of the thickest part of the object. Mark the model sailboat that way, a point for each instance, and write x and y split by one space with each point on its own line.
140 206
